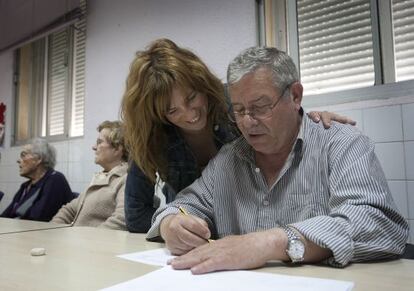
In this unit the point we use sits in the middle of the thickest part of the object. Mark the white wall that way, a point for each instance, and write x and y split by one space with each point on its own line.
215 30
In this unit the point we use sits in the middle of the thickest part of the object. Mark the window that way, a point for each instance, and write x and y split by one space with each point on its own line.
341 46
403 22
50 84
335 45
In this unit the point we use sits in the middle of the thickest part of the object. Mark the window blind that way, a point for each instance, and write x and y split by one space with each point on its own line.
335 45
78 85
403 21
58 70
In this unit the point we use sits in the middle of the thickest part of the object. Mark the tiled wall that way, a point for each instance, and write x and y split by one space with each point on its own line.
392 130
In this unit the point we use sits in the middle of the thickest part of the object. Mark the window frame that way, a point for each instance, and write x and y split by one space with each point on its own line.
385 89
39 117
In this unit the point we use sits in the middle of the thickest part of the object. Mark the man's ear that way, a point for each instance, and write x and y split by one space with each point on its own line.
296 91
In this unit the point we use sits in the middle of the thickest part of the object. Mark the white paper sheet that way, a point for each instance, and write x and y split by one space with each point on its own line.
157 257
171 280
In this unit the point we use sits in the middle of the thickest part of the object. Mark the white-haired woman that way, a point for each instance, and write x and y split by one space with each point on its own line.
46 191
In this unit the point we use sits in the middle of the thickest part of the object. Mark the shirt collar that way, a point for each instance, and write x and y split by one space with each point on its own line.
298 146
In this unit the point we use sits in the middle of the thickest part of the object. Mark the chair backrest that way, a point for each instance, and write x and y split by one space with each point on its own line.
75 195
1 195
409 252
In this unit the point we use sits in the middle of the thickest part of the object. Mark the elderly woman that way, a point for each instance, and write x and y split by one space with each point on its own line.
102 203
46 191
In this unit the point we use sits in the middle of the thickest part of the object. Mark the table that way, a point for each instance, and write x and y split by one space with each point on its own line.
84 258
10 225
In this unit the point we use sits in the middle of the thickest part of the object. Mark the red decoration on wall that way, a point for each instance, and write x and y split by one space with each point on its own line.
2 121
2 111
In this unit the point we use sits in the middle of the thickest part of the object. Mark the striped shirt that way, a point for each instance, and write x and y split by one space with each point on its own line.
331 189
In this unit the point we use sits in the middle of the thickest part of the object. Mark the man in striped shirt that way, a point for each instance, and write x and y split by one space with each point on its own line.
286 190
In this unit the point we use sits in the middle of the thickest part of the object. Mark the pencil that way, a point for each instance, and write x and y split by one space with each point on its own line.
183 211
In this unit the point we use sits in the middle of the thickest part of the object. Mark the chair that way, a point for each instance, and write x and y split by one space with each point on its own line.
1 195
409 252
75 195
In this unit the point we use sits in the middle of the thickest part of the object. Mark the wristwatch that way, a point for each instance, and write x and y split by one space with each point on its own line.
295 248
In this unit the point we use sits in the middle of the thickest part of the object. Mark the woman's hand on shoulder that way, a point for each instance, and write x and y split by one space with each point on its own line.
327 117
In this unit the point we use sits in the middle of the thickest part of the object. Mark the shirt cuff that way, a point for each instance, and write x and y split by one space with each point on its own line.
331 233
154 231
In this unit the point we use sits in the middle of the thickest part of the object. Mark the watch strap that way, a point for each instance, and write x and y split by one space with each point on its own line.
290 233
293 238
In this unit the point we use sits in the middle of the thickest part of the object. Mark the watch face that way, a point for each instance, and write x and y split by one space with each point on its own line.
296 250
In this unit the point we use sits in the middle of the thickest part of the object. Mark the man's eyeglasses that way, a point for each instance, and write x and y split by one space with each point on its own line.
256 112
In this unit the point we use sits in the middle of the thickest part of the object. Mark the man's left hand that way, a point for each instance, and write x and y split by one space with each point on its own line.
233 252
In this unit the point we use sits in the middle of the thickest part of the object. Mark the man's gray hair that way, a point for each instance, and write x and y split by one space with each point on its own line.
248 61
46 152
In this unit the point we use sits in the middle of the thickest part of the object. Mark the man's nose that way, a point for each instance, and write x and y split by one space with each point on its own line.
248 121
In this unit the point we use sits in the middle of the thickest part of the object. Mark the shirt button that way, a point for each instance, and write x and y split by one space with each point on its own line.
257 170
266 202
216 127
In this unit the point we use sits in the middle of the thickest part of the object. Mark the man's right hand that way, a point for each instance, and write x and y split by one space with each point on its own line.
182 233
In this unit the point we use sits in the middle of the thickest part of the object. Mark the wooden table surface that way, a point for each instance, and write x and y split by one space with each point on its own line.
10 225
84 258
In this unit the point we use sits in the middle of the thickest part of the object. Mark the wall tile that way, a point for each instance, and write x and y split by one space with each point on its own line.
13 188
79 150
411 237
11 174
63 168
391 156
409 159
90 168
82 172
9 190
3 173
10 156
383 124
355 114
399 194
62 151
408 121
7 198
410 196
77 187
77 172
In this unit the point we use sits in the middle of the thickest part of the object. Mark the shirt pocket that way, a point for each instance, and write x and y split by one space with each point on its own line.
301 206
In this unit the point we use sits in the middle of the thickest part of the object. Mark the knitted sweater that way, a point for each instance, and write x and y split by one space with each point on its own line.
101 204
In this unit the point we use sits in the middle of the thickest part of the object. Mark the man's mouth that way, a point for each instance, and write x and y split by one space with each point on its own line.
253 134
